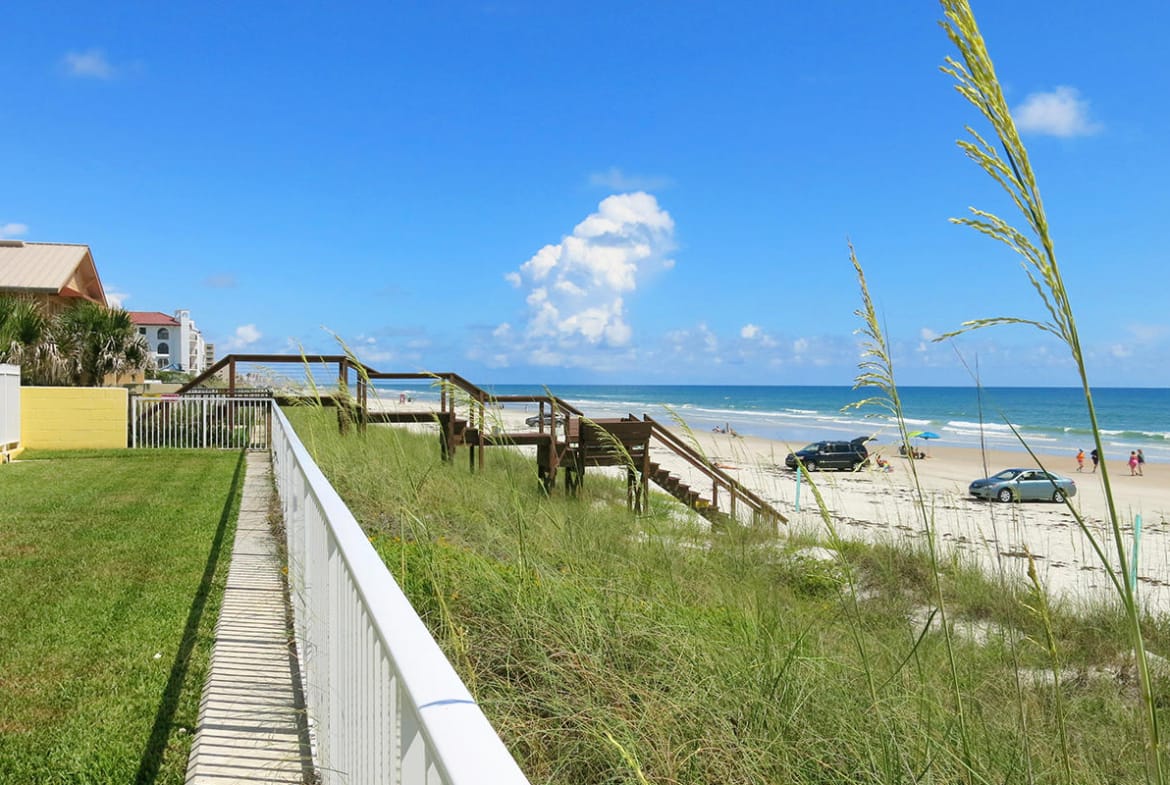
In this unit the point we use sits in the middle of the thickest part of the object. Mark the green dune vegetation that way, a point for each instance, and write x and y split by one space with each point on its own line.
608 647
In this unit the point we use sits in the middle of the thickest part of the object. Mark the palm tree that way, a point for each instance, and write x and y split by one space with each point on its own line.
80 346
98 342
26 339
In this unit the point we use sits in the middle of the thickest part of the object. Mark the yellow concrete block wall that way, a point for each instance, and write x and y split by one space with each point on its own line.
72 418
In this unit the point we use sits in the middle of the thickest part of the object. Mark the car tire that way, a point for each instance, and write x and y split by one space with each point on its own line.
810 466
856 465
1058 496
1004 495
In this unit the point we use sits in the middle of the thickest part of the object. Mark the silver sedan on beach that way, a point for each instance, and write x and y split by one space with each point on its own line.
1024 485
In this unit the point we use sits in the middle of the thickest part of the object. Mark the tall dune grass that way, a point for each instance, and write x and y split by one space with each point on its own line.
612 647
1009 165
607 647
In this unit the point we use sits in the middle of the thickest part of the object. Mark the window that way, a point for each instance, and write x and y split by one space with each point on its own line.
164 335
142 331
164 349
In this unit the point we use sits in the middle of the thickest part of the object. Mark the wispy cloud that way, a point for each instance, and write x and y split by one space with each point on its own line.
614 179
1148 333
223 281
368 350
115 297
90 64
577 288
698 343
1061 112
12 230
755 336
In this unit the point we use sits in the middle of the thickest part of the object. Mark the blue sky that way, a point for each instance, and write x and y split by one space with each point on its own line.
594 193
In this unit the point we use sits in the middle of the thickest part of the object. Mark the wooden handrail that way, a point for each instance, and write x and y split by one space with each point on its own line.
318 359
692 456
480 398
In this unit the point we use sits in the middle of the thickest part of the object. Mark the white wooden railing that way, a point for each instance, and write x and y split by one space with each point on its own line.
9 408
200 421
384 704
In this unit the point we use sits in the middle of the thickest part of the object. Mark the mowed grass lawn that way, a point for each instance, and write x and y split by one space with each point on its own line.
112 566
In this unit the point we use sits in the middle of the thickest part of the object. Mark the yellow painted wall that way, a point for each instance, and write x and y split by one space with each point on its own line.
72 418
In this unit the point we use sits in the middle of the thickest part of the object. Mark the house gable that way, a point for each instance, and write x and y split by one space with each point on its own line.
56 273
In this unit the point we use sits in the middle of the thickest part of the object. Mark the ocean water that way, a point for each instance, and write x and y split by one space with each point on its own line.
1051 419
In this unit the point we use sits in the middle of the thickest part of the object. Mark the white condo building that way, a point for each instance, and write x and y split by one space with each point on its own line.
175 342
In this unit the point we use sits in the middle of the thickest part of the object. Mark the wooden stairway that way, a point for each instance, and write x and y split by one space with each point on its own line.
570 443
675 486
738 497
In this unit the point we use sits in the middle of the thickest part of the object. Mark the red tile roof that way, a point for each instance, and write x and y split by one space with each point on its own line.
146 318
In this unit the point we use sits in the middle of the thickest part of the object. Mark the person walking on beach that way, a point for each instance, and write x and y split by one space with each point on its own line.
1141 463
1133 464
1080 460
1095 458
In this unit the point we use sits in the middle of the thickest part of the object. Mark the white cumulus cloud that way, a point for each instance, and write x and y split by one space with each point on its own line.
116 298
12 230
749 331
1061 112
245 335
578 288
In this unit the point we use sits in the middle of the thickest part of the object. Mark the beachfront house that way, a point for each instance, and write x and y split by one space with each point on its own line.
56 274
175 342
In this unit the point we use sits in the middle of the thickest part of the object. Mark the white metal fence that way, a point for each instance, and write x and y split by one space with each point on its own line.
217 422
384 704
9 407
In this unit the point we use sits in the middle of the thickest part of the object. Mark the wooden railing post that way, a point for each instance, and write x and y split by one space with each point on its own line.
482 427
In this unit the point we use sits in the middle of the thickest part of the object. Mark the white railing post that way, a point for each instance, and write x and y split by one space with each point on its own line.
134 399
200 422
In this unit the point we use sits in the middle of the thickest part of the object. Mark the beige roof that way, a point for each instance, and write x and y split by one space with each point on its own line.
50 268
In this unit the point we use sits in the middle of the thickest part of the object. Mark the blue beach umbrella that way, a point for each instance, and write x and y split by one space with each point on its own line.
923 435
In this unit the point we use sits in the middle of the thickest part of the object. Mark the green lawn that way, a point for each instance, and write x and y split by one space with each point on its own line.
112 566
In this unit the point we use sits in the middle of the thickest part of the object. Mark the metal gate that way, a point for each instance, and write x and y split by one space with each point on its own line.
201 421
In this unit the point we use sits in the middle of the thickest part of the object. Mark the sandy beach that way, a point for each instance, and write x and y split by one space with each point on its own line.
878 505
883 506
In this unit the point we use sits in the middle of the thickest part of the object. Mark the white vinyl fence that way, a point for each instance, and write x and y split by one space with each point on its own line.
9 407
384 704
201 421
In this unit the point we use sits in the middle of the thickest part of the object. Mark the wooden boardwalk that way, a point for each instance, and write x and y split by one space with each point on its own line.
251 721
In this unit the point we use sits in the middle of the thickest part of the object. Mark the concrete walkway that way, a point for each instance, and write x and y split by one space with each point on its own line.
251 726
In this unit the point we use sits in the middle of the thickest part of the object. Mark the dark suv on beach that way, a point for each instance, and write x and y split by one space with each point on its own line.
831 455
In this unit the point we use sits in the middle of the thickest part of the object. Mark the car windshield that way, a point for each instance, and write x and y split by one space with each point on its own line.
814 447
1007 474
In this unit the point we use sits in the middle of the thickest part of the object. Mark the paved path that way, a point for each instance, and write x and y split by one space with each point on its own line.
250 727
